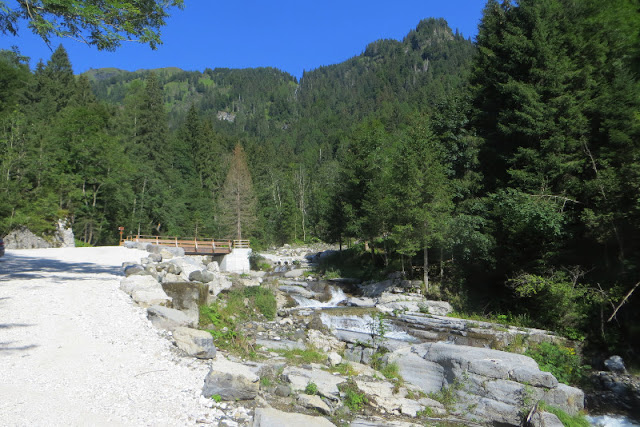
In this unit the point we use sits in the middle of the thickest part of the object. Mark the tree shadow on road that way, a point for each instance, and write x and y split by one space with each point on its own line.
19 267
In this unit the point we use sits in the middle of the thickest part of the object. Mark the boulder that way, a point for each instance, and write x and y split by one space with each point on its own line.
280 344
292 274
314 402
167 252
202 276
217 285
231 381
327 383
64 235
135 269
324 342
195 342
615 364
384 396
213 267
494 385
334 358
173 278
545 419
155 257
186 266
137 283
148 297
167 318
269 417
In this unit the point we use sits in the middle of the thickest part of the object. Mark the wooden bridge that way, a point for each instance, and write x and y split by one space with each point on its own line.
193 246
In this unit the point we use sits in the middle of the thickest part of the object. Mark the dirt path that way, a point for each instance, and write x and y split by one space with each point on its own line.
75 350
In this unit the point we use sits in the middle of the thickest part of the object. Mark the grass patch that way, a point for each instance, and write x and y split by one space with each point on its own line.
509 319
354 398
344 369
297 356
566 419
224 319
448 396
561 361
311 389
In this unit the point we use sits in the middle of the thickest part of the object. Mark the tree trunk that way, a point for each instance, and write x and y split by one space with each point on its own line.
426 270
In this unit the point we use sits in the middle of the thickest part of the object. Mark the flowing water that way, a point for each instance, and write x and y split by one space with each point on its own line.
611 421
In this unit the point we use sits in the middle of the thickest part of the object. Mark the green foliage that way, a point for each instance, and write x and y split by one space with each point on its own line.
298 356
228 313
311 388
448 395
217 398
567 420
104 24
562 362
344 369
354 398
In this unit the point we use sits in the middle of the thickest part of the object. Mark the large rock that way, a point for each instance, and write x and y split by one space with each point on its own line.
167 318
615 364
326 382
202 276
23 238
314 402
195 342
493 385
135 269
384 395
217 285
545 419
269 417
324 342
231 381
138 283
167 252
148 297
186 265
64 235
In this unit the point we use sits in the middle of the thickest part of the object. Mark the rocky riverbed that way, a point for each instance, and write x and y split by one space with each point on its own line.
411 366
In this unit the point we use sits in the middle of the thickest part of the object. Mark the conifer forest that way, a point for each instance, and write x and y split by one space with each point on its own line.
504 171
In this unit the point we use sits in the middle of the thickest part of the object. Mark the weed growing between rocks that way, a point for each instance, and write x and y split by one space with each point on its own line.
297 356
354 398
224 318
448 396
566 419
311 389
561 361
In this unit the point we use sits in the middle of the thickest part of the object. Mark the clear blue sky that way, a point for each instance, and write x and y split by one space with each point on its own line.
291 36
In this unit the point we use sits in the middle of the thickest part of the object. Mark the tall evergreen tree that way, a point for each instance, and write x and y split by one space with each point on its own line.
238 201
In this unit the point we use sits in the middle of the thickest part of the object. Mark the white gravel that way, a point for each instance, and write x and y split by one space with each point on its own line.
75 350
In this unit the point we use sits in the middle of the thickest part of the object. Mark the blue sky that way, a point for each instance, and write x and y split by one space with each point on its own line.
291 36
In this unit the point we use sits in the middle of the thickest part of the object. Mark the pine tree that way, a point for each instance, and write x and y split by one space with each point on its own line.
238 202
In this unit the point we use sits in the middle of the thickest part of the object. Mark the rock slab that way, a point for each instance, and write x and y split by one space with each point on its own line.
269 417
195 342
231 381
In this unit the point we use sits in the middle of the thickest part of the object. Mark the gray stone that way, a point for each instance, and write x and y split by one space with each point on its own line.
213 267
64 235
231 381
167 318
615 364
269 417
169 267
186 265
166 252
569 399
148 297
314 402
326 382
135 269
324 342
427 375
155 257
334 358
137 283
545 419
282 390
217 285
195 342
280 344
298 272
202 276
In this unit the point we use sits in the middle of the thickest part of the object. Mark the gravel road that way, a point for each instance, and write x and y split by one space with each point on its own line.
75 350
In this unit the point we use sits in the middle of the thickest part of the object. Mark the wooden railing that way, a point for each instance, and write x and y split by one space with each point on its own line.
193 246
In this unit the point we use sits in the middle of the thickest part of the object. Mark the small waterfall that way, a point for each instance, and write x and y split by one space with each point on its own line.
611 421
363 324
337 296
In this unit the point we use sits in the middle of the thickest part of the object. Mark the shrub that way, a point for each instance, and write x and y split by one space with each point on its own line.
566 419
311 388
354 398
562 362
